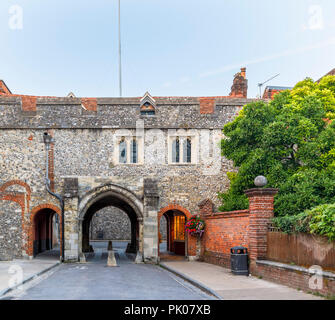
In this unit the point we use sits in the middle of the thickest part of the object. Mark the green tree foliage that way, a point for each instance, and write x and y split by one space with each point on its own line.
319 220
323 220
291 141
293 224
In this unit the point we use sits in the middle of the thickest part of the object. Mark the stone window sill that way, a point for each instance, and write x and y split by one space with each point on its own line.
129 164
182 164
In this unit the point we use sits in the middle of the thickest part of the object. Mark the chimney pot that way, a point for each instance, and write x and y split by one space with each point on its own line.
243 72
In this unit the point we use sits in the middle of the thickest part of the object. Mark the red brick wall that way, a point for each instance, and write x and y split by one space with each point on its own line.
29 103
224 231
191 246
292 278
246 228
90 104
207 105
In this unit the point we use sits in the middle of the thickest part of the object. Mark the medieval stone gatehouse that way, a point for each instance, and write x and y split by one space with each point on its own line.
149 157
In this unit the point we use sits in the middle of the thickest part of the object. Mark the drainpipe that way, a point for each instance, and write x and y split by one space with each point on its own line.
47 141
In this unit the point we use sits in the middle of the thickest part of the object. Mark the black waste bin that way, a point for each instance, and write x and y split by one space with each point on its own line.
239 261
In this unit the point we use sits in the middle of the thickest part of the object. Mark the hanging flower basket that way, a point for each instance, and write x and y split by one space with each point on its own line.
195 226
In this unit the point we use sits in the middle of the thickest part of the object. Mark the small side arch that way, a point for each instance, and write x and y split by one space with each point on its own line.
36 210
173 207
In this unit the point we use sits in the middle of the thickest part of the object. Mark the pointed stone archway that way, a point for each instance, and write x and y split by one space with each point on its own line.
116 196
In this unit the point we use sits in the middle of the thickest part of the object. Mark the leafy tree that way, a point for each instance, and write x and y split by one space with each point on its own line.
319 220
290 140
323 221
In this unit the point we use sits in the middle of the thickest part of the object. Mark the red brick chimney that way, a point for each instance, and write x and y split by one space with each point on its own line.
240 85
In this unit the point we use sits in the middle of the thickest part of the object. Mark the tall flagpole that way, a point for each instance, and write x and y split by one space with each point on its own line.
120 67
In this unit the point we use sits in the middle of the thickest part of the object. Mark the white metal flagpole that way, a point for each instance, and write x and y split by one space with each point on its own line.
120 67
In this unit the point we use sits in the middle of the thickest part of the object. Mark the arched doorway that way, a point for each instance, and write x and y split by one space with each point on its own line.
46 232
175 234
176 237
109 196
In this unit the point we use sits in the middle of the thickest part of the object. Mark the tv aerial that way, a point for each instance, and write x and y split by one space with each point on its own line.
260 85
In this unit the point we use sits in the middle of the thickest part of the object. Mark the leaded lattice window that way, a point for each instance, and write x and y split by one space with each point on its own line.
176 150
123 151
134 151
187 151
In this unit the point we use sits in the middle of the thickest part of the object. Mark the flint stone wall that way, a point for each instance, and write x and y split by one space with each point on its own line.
11 230
113 224
85 149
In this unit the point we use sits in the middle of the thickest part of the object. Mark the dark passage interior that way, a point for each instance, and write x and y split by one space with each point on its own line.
110 200
46 231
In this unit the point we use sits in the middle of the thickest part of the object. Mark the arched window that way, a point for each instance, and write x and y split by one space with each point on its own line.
187 150
133 151
176 150
123 151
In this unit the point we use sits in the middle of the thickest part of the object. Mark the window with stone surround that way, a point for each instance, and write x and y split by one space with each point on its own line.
129 150
182 149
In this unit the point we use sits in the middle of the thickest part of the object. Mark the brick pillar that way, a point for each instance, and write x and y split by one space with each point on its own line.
261 211
191 247
206 207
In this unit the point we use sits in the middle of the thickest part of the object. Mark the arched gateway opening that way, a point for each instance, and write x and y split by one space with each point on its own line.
111 196
46 231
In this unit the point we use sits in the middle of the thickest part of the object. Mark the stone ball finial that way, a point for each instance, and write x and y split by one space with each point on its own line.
260 181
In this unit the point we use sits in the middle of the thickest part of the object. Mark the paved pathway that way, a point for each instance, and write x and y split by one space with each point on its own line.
94 280
230 287
18 270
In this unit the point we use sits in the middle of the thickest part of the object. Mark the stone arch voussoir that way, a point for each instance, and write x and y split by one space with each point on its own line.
114 190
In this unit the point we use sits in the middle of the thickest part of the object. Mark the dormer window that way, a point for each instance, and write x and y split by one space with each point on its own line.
148 105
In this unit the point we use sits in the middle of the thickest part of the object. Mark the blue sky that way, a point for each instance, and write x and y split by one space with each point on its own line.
170 48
